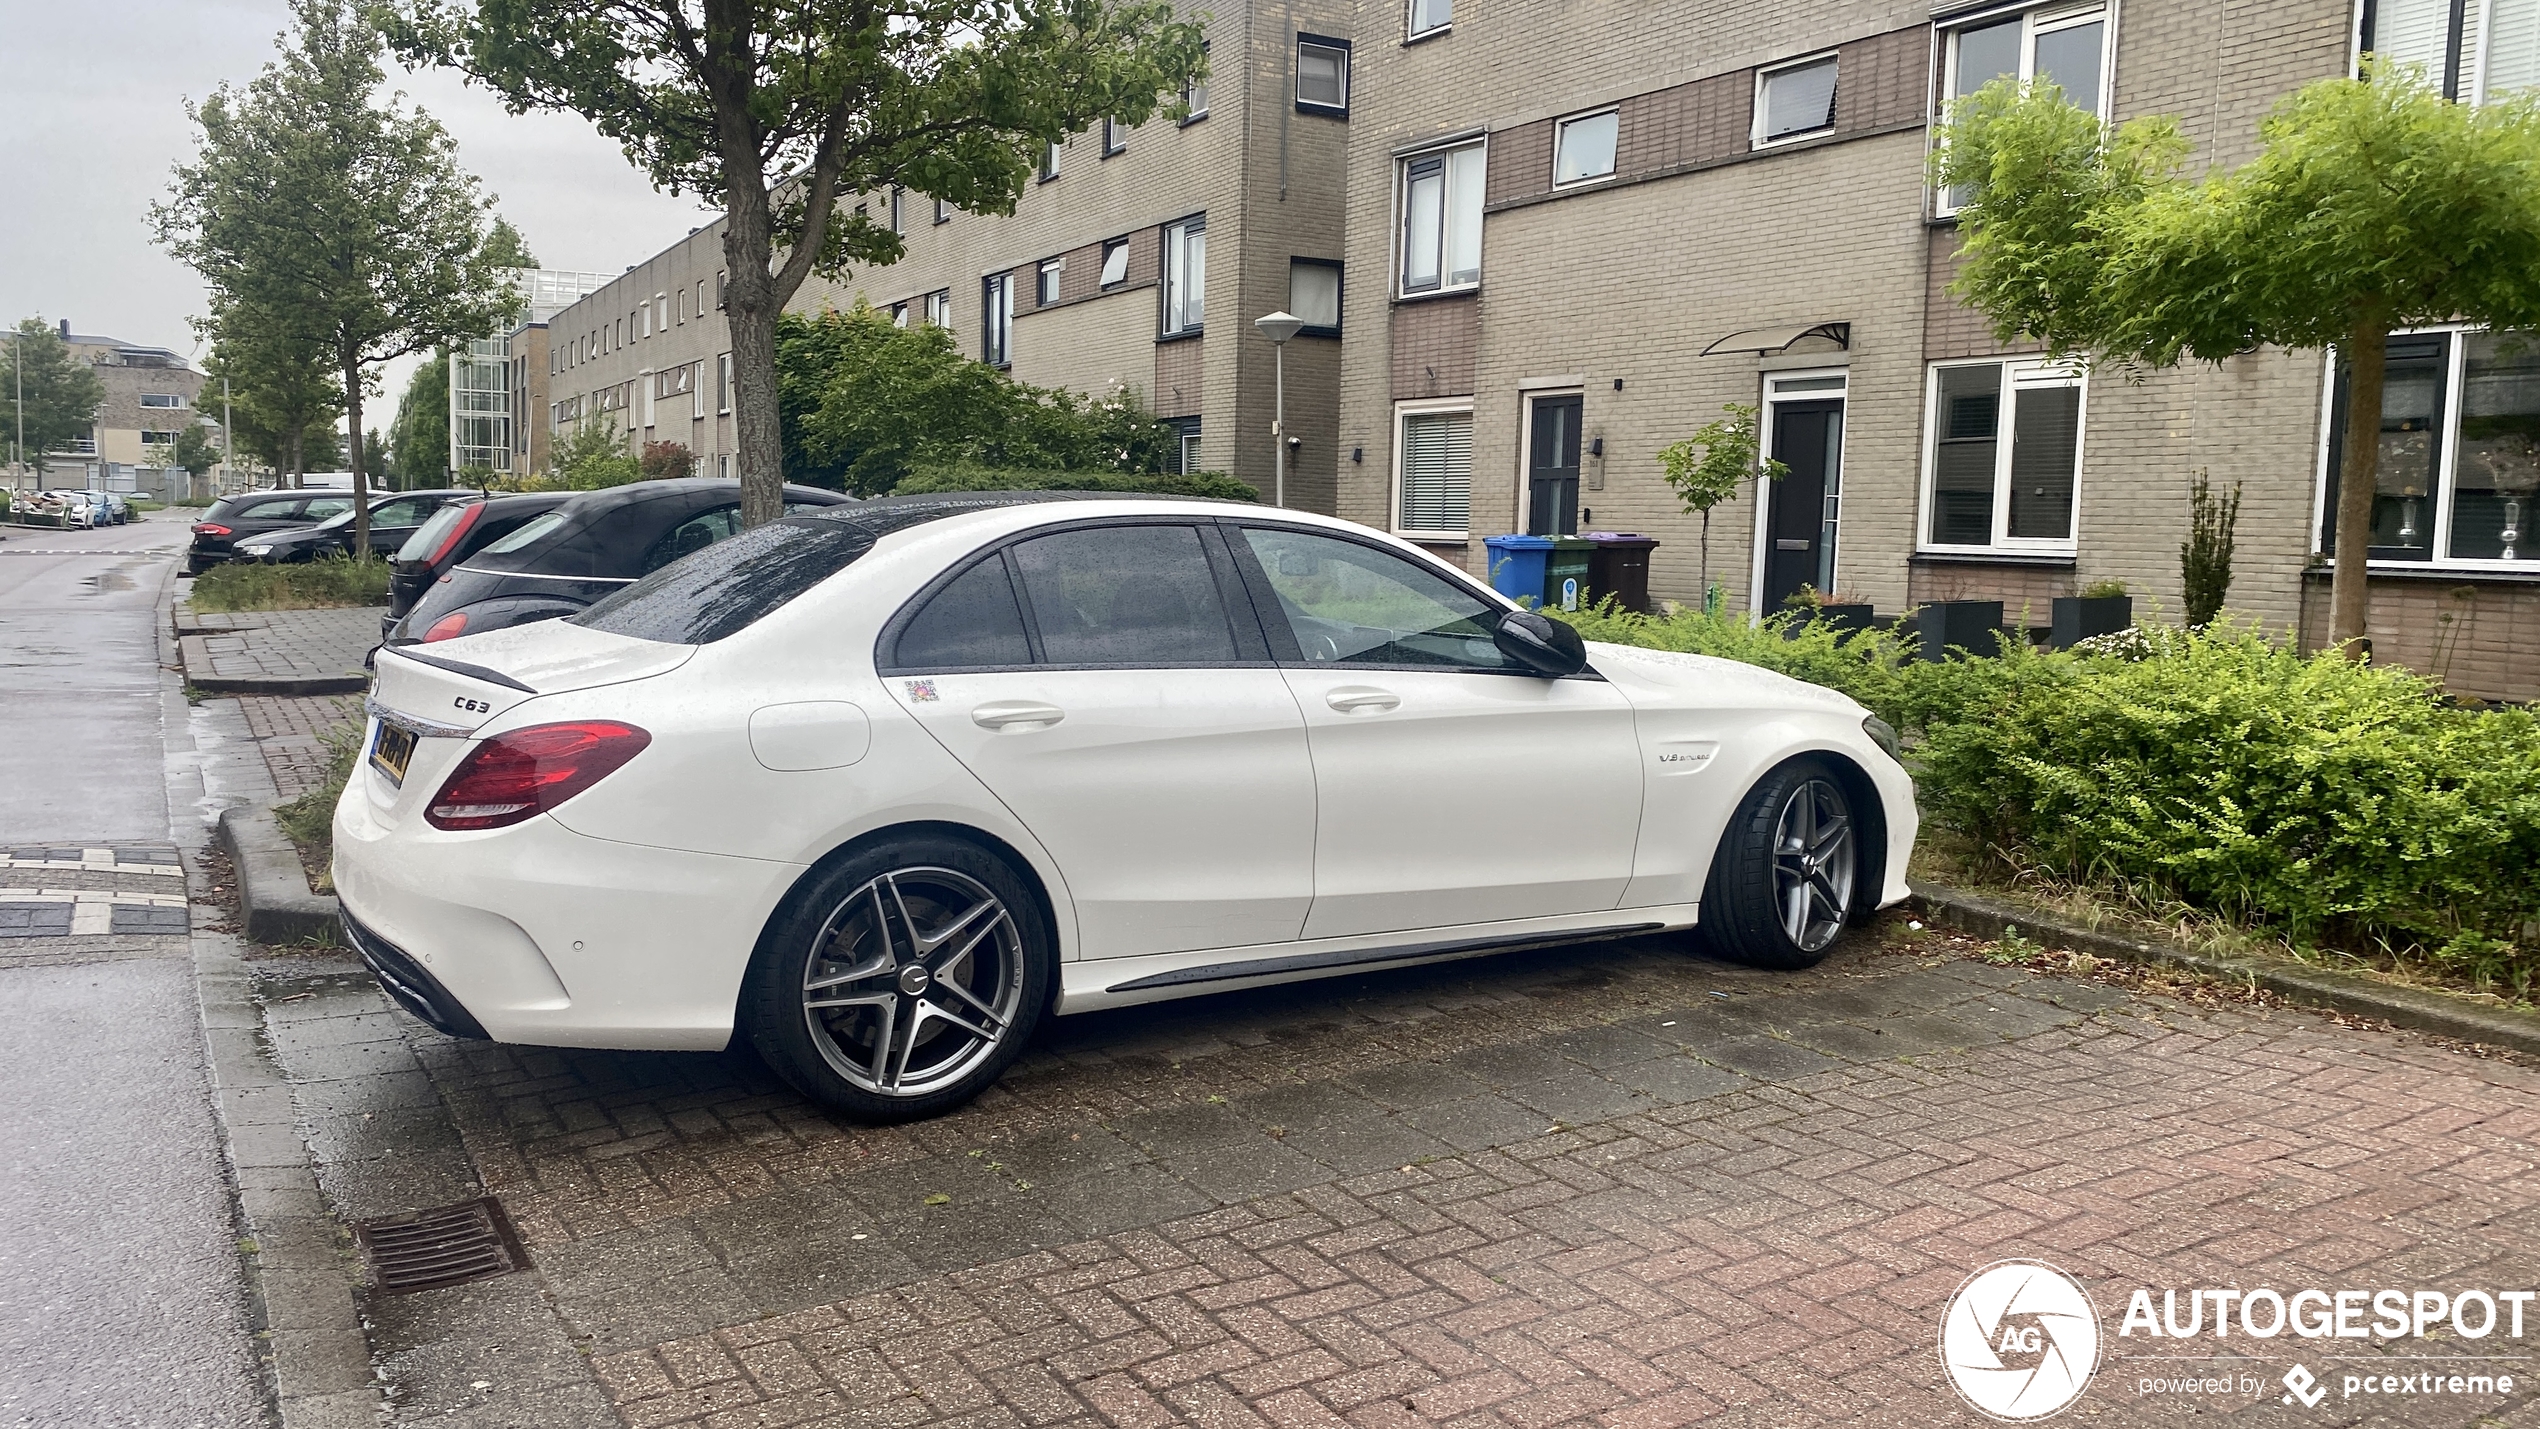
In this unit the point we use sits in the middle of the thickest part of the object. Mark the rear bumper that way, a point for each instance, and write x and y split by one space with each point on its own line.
409 986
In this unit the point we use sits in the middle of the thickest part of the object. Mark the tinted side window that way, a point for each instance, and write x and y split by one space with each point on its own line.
693 535
321 507
1125 595
1350 604
408 511
970 623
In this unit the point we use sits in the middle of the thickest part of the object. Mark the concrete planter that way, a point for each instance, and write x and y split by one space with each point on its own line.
1945 627
2077 618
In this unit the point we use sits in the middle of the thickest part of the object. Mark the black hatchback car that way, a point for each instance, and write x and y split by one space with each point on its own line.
394 517
456 532
251 514
559 562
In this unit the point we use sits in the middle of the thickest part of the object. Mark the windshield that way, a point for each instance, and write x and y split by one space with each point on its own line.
526 536
726 587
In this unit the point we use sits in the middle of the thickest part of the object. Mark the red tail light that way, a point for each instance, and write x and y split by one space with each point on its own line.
448 627
450 542
520 775
210 528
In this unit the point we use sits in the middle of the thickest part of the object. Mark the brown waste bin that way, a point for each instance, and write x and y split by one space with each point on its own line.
1619 567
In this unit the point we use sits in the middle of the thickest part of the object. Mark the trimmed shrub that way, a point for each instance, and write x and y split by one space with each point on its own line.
309 585
993 478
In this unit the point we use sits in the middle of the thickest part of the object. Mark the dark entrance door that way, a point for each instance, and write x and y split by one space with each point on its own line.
1552 469
1800 521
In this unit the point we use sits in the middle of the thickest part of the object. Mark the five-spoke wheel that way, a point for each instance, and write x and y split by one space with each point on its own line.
1787 876
901 981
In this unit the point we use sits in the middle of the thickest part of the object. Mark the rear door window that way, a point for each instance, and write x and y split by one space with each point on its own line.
971 624
1125 595
406 511
321 507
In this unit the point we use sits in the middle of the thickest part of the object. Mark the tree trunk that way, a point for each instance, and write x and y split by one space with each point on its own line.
2349 597
1706 560
353 456
751 304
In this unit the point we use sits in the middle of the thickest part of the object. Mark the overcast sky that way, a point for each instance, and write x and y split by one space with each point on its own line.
92 119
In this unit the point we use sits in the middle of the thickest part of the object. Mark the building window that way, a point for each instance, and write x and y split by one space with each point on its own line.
943 211
899 315
1195 91
2474 52
1314 294
1115 138
896 195
723 383
1441 209
1049 162
1115 263
2067 47
2459 472
158 439
1045 293
1433 469
996 320
718 292
162 399
1794 100
939 307
1185 276
1428 17
1184 457
1583 148
701 297
1322 75
2003 464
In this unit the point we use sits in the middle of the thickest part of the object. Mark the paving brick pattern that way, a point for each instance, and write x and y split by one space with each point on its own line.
296 735
72 902
280 645
1533 1191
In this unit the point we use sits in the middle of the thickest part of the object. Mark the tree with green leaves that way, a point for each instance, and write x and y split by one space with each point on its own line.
772 109
1707 468
282 388
419 440
195 452
2375 204
313 193
51 396
590 456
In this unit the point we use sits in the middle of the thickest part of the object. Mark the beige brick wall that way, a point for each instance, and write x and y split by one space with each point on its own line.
2480 638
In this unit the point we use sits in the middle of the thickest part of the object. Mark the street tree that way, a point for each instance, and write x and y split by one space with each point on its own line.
2374 204
772 109
1707 468
281 386
48 397
315 194
419 441
195 452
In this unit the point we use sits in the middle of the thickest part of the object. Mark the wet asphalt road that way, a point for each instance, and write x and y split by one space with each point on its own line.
120 1295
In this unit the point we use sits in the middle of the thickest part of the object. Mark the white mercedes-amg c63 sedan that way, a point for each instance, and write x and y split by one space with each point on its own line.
881 786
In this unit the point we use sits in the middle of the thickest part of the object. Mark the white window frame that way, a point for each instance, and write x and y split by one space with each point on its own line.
1446 206
1195 93
1296 74
1115 138
697 390
2446 476
2018 374
2034 21
1175 320
1051 155
1561 131
1049 281
723 385
1755 135
1411 21
1429 406
163 401
939 308
999 310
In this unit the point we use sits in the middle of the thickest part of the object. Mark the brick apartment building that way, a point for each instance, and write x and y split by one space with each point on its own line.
1575 231
1135 263
151 397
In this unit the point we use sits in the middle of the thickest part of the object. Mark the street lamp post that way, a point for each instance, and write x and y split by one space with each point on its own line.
1279 327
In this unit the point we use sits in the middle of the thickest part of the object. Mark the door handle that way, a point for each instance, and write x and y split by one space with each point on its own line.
1350 699
1007 714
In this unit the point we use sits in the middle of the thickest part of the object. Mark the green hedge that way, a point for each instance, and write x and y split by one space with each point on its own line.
991 478
2330 802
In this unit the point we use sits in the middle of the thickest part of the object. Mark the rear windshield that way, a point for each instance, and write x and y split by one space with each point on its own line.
430 534
726 587
526 536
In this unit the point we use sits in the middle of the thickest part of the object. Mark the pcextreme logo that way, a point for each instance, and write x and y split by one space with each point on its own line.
2020 1341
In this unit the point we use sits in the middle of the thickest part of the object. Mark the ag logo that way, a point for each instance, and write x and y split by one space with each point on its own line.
2020 1341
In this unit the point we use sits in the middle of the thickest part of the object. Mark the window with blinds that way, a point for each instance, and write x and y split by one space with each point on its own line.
2473 50
1437 472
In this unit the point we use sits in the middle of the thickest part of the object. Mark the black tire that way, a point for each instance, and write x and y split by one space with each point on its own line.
1789 874
914 1019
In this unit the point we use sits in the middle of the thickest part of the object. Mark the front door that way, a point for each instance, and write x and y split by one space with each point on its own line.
1451 789
1552 468
1134 726
1807 437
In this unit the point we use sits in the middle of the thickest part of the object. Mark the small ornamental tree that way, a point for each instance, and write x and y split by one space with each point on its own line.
2375 204
666 461
1706 468
46 392
194 452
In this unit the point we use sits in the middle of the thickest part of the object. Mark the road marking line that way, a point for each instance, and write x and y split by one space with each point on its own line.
164 870
86 896
92 918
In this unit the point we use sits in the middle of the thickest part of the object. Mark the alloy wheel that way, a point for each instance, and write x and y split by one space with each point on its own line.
1813 864
915 980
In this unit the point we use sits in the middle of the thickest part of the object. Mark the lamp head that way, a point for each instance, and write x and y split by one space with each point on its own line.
1279 326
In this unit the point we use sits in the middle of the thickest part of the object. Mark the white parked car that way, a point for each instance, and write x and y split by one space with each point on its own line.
879 787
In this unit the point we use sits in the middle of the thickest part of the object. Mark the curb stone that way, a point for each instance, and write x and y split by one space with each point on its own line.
275 903
2352 993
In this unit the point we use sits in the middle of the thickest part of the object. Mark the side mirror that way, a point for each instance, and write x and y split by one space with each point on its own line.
1541 644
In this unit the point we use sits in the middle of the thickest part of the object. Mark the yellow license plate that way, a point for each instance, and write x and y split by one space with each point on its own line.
391 751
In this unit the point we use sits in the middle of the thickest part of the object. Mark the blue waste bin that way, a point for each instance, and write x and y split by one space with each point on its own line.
1517 566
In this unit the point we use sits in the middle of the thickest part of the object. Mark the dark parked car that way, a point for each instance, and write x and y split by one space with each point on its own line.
562 561
456 532
251 514
393 518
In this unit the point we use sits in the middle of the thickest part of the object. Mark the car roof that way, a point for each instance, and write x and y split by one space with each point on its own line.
612 496
885 514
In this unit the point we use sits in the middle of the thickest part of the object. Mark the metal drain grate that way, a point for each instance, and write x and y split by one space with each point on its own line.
448 1245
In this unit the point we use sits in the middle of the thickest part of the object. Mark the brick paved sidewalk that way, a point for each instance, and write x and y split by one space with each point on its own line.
295 735
280 652
1606 1186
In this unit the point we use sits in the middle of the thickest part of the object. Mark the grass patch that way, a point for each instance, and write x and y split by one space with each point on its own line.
309 821
310 585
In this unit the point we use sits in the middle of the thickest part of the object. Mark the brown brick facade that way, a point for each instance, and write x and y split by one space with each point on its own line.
1434 344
